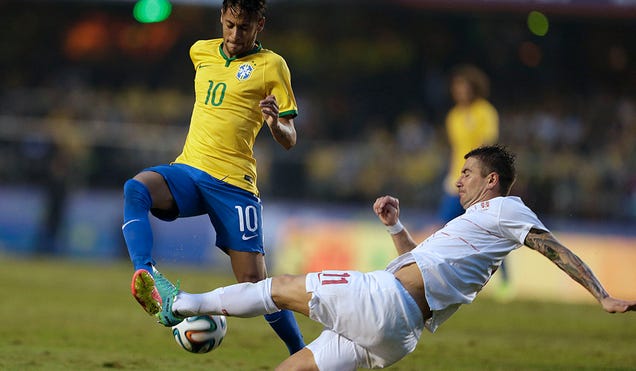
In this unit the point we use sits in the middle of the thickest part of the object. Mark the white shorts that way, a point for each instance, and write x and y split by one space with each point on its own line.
370 320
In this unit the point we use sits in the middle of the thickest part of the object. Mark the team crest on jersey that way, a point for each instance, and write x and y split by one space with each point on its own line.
244 71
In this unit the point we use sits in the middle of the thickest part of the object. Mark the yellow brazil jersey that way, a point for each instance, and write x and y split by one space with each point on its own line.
468 128
226 117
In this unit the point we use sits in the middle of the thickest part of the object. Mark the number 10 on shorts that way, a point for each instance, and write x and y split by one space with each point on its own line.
248 218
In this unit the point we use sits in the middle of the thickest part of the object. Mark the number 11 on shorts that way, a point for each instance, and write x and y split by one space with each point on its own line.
332 278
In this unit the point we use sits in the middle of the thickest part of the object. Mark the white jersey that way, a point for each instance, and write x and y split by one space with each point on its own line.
459 259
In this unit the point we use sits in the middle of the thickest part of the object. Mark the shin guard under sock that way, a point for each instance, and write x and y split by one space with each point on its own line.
136 228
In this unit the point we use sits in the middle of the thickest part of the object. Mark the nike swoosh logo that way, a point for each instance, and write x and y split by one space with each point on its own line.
245 238
204 65
128 222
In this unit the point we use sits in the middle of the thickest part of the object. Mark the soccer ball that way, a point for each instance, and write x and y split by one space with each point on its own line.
200 334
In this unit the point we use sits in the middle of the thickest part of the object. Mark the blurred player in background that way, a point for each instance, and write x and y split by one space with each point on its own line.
373 320
472 122
238 87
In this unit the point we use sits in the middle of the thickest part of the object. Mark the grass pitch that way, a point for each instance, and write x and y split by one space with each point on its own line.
64 315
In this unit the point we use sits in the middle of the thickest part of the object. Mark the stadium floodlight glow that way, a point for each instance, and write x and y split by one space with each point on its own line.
152 11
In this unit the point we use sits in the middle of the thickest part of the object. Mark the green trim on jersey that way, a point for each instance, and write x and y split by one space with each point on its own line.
228 60
292 113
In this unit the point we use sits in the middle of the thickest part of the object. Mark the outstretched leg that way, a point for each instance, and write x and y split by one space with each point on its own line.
247 299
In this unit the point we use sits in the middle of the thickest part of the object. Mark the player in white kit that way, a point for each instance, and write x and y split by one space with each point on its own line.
372 320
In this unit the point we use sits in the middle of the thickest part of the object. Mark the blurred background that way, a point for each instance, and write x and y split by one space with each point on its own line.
90 95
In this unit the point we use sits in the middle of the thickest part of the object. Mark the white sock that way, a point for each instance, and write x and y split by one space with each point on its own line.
245 299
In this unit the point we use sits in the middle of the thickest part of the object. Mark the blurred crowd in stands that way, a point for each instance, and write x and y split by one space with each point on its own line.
89 97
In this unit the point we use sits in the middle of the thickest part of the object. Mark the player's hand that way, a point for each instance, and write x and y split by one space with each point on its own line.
613 305
387 208
269 109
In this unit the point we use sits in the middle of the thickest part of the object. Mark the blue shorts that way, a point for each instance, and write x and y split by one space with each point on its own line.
236 214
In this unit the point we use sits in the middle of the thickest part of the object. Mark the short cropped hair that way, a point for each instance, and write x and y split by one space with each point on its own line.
250 8
496 159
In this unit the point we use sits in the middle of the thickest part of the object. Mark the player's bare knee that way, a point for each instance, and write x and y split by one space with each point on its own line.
158 188
247 266
286 281
289 292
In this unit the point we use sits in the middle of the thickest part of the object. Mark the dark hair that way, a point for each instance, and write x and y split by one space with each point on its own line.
476 78
250 8
496 159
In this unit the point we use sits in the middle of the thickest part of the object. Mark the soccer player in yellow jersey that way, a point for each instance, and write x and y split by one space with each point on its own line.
471 123
239 86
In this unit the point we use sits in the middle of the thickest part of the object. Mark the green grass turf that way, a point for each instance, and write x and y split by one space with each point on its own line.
64 315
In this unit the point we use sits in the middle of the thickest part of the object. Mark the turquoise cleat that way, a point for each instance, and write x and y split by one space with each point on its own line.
168 293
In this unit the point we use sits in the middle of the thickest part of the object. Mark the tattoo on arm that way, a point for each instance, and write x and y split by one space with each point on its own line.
545 243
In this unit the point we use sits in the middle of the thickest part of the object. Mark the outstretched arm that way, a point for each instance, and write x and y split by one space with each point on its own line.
282 128
387 208
545 243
